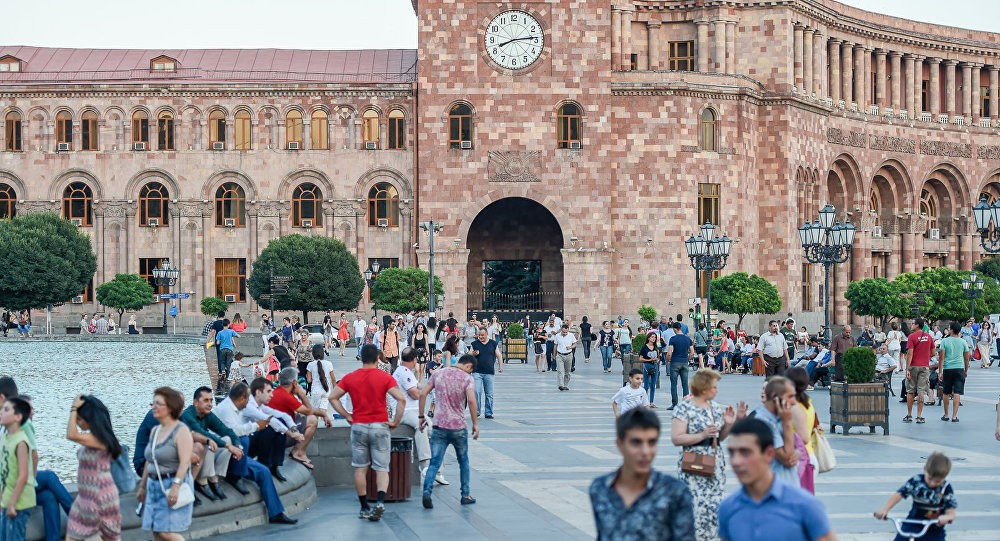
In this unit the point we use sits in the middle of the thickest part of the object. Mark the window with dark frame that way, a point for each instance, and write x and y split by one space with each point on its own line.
78 203
146 266
64 129
154 201
384 262
231 278
709 201
984 101
681 55
807 287
369 127
8 201
89 132
459 125
140 127
924 100
216 128
568 125
709 130
165 131
383 204
88 293
293 128
230 203
633 61
12 132
397 130
307 204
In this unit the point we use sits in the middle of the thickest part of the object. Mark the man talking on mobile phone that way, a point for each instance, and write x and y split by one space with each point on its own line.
776 411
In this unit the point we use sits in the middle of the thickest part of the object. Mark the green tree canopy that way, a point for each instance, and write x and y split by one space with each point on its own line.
743 294
46 259
988 267
945 298
403 290
211 306
325 275
648 314
125 292
878 298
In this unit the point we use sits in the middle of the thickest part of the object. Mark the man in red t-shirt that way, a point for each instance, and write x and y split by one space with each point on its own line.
370 425
919 349
286 400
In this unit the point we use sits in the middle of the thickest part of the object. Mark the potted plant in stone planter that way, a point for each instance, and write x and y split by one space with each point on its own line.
859 400
515 346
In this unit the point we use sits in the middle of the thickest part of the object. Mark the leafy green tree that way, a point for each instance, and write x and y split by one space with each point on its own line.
125 292
945 299
743 294
988 267
512 277
211 306
648 314
403 290
325 275
46 259
876 297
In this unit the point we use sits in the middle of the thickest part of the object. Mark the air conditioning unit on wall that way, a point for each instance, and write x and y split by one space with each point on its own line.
218 145
139 145
62 147
78 222
307 224
877 232
934 234
78 299
153 222
575 145
383 222
230 298
371 145
466 145
229 222
293 145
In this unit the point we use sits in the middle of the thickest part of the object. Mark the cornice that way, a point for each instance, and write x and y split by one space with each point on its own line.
81 91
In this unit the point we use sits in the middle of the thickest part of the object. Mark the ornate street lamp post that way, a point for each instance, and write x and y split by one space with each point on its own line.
708 253
165 276
986 216
828 243
371 274
431 227
973 288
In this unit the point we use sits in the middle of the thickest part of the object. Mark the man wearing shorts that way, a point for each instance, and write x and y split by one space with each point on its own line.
919 349
370 425
954 359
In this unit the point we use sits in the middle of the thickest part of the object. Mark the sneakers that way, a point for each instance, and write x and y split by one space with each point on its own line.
377 511
365 514
468 500
428 503
439 479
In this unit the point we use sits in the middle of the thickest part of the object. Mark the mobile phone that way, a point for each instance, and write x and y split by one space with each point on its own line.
138 509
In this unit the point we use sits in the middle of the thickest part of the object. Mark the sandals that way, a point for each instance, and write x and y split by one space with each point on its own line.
654 406
955 420
908 419
307 463
944 417
920 420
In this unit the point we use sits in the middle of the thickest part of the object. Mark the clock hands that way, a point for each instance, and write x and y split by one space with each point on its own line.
515 39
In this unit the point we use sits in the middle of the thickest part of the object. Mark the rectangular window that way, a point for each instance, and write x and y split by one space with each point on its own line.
12 134
807 287
681 55
924 99
397 133
459 130
146 266
165 134
64 131
88 133
241 133
633 62
88 294
703 278
217 130
320 133
231 278
140 130
709 202
984 101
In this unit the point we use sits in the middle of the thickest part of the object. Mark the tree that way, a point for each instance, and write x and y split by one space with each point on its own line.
648 314
944 297
211 306
46 260
325 275
403 290
125 292
743 294
876 297
513 277
988 267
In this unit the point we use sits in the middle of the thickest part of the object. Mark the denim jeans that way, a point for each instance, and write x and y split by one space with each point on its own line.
550 355
586 349
51 495
606 353
14 529
441 438
678 370
625 350
484 385
650 375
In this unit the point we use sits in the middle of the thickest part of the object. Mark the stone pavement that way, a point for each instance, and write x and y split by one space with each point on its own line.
533 464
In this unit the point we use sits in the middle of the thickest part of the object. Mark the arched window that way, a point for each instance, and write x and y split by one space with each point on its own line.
320 128
874 206
369 128
64 130
153 205
383 205
78 204
140 130
929 209
568 126
709 130
8 201
397 130
307 206
990 197
89 133
165 131
12 132
242 132
217 130
230 205
460 126
293 129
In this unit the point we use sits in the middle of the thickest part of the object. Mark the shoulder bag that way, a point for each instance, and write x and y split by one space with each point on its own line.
825 459
121 472
185 496
701 464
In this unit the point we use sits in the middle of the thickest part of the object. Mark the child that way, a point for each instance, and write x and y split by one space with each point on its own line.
18 495
630 396
236 369
933 498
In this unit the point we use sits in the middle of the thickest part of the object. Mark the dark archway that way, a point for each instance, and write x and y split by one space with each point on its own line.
515 263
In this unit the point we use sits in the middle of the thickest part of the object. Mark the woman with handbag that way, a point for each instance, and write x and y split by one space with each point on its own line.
702 466
983 343
803 420
95 509
166 488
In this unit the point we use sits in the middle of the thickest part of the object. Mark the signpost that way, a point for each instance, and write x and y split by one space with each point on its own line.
279 287
174 295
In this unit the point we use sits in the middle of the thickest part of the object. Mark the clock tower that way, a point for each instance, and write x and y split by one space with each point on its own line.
515 148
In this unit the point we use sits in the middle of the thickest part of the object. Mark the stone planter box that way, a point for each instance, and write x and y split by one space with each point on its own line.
859 404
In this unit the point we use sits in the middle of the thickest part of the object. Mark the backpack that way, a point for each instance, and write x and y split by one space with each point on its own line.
121 472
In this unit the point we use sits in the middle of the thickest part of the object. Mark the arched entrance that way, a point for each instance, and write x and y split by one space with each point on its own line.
515 264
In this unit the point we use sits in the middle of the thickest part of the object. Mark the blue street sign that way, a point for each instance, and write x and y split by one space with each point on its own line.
173 311
175 295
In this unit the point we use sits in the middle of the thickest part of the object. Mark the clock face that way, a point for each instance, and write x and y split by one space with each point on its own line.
514 40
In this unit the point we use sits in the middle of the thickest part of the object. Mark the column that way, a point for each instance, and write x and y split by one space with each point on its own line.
819 65
847 76
653 28
731 47
918 85
616 39
895 81
798 68
880 78
949 86
935 87
869 74
910 262
994 87
860 95
626 40
702 50
719 55
967 90
807 60
977 77
908 94
835 82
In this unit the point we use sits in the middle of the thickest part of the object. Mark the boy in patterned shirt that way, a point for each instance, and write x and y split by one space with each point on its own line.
933 498
630 396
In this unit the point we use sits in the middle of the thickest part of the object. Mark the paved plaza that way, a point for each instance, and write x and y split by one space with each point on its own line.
534 462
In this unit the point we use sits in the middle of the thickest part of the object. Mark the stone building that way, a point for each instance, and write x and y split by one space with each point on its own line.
590 137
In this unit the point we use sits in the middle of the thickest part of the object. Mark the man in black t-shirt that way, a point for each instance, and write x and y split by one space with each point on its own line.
488 359
216 328
680 348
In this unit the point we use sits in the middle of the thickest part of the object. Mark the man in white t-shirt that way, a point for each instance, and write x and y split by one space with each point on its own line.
407 381
564 344
360 326
631 396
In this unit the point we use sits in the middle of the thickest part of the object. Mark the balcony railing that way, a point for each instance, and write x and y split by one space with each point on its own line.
536 301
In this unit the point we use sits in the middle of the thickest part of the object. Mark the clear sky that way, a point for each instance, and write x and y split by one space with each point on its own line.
310 24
